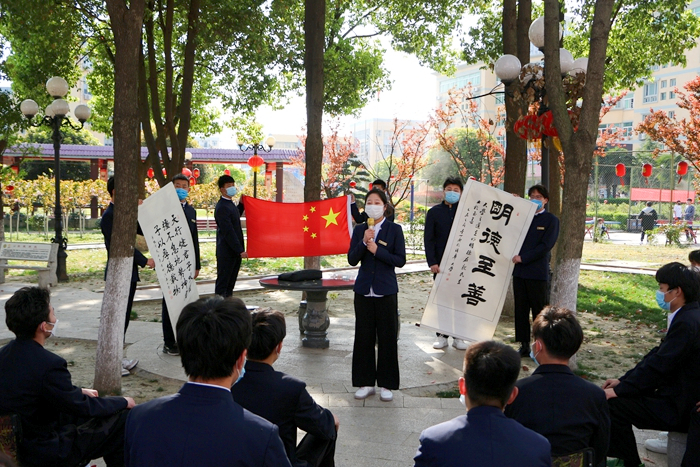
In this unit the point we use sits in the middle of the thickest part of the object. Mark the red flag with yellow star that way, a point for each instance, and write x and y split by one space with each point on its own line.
316 228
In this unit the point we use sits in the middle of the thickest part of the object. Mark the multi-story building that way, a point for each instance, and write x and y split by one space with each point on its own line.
378 138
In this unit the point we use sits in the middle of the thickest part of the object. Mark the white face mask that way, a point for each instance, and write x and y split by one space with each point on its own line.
52 331
375 211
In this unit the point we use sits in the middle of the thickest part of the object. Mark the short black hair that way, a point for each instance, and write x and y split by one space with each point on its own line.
560 331
212 334
26 309
694 256
181 176
269 329
224 179
539 188
649 203
380 183
679 275
490 371
378 192
110 186
689 199
453 181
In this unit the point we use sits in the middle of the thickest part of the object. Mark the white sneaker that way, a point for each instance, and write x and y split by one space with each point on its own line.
364 392
125 372
659 444
459 344
129 364
385 395
440 343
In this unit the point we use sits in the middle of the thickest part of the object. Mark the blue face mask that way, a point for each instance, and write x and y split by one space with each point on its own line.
660 300
182 194
538 202
231 191
451 197
533 356
240 375
463 400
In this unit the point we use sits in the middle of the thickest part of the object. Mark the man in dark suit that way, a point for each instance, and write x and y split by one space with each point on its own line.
283 399
182 187
201 425
361 217
230 245
62 425
661 391
567 410
531 272
140 260
484 437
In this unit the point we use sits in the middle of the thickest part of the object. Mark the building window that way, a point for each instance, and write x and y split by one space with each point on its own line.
625 103
663 83
673 82
500 99
671 95
696 11
671 114
663 96
650 92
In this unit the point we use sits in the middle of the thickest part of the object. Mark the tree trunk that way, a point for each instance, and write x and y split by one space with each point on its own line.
126 22
516 21
314 32
554 183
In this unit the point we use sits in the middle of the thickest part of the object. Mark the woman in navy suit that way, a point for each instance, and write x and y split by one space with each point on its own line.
379 249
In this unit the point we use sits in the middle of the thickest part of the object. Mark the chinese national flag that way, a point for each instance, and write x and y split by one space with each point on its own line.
316 228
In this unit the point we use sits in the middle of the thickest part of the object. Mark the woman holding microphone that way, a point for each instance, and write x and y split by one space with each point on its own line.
379 247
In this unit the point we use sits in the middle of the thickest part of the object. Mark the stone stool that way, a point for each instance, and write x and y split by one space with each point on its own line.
676 448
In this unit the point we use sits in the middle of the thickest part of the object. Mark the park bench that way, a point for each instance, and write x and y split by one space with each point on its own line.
210 224
36 252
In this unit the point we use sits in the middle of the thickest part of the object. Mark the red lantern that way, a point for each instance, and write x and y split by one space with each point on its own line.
353 184
646 173
255 162
150 172
548 128
192 181
370 187
620 171
682 170
10 187
227 172
186 172
528 127
165 174
195 172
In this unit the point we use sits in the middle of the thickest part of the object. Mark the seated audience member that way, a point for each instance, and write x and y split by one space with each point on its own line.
485 436
201 425
282 399
62 425
567 410
661 391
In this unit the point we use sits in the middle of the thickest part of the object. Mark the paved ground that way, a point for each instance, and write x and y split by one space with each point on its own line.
372 433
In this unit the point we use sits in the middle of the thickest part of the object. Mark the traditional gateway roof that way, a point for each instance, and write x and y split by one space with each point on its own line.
77 152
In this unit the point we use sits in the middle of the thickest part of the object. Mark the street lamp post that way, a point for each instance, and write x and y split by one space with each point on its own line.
55 117
255 161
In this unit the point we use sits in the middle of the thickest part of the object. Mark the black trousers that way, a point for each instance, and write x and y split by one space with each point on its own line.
528 295
375 321
95 438
692 449
129 304
227 268
317 452
168 333
652 413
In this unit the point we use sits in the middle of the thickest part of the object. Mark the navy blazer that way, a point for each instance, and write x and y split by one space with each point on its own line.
229 234
200 426
671 370
284 401
438 223
484 437
191 216
36 385
535 252
106 224
377 271
570 412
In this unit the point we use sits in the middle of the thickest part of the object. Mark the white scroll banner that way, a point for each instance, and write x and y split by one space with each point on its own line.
165 228
468 294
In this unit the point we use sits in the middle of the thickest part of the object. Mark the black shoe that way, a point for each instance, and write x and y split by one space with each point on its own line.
171 350
524 349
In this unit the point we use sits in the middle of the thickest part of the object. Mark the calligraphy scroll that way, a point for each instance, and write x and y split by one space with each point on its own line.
468 294
165 228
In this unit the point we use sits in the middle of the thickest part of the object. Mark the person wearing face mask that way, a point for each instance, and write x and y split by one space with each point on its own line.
182 188
438 223
531 271
544 402
361 217
661 391
379 249
230 245
202 425
62 425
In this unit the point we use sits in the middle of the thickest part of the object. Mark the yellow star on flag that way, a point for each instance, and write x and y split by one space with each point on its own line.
331 218
305 217
306 229
313 209
313 235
